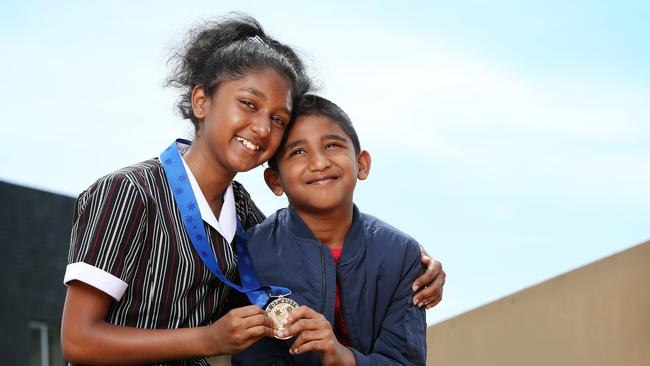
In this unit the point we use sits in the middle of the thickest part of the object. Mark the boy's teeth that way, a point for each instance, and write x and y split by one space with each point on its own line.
247 143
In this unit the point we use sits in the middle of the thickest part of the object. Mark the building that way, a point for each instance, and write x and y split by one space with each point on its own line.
598 314
35 236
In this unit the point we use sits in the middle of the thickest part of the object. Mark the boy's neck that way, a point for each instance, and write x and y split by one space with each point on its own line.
329 227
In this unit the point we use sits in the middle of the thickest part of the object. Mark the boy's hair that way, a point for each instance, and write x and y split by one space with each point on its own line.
313 105
227 49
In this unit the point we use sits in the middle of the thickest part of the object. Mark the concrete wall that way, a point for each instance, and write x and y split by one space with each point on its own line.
35 237
596 315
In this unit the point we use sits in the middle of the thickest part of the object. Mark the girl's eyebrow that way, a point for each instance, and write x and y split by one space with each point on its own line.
253 91
261 95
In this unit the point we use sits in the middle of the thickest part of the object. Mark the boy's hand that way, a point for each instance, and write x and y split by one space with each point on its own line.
428 287
238 329
314 334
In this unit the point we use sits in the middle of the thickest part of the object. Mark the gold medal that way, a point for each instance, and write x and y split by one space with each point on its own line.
279 310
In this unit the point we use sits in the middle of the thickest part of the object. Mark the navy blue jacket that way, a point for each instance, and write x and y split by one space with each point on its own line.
376 270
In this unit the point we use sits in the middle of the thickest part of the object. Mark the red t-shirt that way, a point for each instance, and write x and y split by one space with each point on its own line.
340 331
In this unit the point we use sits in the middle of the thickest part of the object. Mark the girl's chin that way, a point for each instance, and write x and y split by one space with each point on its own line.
244 166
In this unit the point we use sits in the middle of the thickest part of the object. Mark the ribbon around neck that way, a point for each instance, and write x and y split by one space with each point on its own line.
193 222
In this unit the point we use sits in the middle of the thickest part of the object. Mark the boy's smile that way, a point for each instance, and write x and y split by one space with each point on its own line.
322 180
318 166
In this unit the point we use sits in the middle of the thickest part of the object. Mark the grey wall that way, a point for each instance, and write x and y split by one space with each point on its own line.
34 237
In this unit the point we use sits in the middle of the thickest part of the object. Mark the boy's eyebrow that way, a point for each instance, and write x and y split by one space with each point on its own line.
293 144
335 137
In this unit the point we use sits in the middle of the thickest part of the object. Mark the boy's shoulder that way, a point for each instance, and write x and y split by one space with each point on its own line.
375 229
269 224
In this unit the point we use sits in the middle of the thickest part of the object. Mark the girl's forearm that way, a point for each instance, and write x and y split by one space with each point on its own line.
107 344
87 338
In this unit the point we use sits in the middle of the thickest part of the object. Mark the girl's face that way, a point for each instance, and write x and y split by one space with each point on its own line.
243 121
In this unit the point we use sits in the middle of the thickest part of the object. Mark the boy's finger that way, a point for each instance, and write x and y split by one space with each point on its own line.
308 336
302 325
302 312
309 347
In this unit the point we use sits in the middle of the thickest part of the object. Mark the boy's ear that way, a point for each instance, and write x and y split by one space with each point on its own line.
364 161
199 100
272 179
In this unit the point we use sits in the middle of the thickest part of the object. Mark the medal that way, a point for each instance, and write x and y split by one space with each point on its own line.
279 310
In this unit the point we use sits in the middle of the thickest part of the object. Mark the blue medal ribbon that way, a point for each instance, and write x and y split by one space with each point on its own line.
193 222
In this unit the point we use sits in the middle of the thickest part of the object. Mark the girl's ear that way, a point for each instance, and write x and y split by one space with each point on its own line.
272 179
363 161
199 101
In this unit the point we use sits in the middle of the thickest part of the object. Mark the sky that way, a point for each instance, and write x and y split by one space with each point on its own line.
511 139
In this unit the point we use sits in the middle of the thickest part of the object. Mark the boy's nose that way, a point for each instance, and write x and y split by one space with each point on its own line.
319 161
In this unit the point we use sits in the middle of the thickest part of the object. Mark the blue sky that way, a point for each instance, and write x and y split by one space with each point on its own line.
512 139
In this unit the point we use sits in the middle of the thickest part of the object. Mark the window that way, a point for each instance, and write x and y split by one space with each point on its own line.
46 344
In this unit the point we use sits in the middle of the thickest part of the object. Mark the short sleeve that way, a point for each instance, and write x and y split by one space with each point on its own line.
107 235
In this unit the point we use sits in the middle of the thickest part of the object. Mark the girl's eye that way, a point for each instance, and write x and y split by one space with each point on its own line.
279 121
247 103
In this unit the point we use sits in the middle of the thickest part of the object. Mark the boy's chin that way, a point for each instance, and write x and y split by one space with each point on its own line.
319 206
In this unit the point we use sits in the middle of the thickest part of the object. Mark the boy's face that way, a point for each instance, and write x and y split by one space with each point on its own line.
317 166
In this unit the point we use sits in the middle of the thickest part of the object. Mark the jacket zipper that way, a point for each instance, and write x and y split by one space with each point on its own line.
324 279
351 338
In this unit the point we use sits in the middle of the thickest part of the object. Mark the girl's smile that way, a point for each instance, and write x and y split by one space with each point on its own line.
247 144
242 123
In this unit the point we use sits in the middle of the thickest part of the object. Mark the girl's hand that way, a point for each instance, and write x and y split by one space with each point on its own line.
314 334
428 287
239 329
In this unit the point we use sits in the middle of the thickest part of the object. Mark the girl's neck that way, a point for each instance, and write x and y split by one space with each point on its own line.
210 175
329 227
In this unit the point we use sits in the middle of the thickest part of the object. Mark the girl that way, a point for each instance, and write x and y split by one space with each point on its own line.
138 289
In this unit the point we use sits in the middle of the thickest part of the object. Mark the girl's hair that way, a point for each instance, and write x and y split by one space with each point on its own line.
226 49
313 105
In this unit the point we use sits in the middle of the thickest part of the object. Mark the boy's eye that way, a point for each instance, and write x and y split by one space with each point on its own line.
296 152
332 145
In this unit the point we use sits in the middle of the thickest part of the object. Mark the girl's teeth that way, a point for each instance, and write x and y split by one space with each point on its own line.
247 143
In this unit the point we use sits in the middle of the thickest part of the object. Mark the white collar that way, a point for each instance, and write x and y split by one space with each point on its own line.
227 223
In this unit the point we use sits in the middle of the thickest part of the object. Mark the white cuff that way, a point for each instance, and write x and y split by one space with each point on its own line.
96 278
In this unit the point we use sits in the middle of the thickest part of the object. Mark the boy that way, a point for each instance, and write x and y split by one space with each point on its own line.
350 272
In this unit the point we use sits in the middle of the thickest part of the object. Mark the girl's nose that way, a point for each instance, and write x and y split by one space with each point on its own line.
261 127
